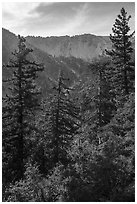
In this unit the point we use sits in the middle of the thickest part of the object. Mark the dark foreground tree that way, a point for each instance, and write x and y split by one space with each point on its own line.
119 149
61 123
19 109
122 72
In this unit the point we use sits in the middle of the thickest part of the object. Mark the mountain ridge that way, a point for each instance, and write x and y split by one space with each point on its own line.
71 67
70 54
86 46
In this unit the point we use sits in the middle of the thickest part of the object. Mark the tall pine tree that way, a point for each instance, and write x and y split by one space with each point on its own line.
122 70
19 109
61 122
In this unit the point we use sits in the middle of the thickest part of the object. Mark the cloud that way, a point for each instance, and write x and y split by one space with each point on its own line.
56 18
63 18
100 17
18 13
7 15
58 9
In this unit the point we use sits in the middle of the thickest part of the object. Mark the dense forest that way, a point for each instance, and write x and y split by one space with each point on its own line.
77 143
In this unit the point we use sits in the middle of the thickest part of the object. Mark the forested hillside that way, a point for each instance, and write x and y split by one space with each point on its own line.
68 126
72 67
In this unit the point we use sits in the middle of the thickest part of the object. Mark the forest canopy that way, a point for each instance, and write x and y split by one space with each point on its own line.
76 144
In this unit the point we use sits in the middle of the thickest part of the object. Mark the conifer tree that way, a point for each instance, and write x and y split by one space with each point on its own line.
62 122
19 109
122 72
119 150
103 99
98 103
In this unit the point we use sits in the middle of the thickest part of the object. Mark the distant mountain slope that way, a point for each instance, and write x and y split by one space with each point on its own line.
72 68
9 44
86 47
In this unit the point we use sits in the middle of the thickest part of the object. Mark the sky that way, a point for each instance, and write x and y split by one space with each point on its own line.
63 18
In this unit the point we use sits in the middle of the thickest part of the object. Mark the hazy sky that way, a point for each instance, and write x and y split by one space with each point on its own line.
63 18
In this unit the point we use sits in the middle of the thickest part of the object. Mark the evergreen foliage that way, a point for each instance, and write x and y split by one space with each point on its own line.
119 148
122 72
77 144
61 122
97 100
19 108
27 189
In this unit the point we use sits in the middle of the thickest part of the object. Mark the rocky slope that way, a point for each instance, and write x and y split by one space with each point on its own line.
86 47
72 67
70 54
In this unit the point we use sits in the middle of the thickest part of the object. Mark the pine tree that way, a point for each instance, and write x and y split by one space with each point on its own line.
61 122
119 150
98 104
19 109
122 70
105 105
